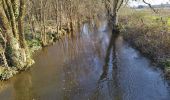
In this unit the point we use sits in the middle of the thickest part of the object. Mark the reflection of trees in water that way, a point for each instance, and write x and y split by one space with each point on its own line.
23 87
3 85
70 72
110 52
69 82
78 64
108 86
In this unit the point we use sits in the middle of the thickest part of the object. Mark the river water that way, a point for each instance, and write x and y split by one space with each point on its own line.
92 66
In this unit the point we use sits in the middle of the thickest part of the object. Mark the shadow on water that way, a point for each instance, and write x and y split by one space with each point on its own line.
108 81
110 53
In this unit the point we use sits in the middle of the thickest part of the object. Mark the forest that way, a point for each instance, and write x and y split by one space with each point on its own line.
84 50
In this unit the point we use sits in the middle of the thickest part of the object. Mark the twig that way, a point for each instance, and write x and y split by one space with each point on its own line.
120 5
150 6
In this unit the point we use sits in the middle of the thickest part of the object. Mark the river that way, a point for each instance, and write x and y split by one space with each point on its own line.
92 66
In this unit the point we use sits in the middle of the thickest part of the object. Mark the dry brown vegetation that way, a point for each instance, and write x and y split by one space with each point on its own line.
148 32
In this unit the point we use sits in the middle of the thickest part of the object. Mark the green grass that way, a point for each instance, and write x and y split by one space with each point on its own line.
151 17
168 22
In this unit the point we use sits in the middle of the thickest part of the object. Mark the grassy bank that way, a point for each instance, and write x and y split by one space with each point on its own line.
150 33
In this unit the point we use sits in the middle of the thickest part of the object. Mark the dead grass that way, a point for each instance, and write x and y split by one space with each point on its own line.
150 33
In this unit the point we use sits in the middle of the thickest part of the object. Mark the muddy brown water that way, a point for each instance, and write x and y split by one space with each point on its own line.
93 66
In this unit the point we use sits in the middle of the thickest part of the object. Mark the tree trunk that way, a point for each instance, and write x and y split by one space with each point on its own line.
21 31
12 17
12 49
21 25
112 13
16 48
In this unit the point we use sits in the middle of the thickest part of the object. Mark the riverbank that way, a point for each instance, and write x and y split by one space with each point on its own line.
34 43
38 38
149 33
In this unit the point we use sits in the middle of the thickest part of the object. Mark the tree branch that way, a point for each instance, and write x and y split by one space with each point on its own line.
150 6
120 5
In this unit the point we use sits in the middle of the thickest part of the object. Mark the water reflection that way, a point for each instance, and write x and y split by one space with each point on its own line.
23 88
138 78
110 58
88 67
108 83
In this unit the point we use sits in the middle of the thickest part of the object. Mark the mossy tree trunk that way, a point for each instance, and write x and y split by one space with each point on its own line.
43 22
12 17
12 44
22 41
11 24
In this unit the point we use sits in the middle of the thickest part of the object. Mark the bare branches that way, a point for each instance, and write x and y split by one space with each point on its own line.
150 6
121 2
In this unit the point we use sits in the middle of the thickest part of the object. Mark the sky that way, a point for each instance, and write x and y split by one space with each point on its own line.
153 2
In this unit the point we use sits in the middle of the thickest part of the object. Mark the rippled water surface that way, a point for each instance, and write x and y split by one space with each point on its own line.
93 66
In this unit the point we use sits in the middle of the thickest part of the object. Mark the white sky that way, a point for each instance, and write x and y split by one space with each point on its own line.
153 2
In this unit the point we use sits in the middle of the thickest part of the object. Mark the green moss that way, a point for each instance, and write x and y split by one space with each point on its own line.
7 72
34 44
1 70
